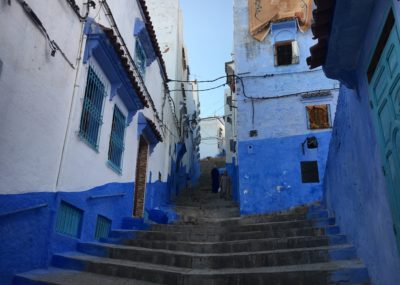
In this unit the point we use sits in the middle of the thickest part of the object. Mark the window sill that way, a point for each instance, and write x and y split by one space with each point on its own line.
114 167
88 143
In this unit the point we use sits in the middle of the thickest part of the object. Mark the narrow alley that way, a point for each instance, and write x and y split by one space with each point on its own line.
212 244
181 142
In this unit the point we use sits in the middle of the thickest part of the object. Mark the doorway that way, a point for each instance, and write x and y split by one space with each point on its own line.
384 86
141 174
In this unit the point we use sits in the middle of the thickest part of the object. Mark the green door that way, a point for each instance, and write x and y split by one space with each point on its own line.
385 102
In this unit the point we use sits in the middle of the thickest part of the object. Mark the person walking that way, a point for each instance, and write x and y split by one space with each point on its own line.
215 179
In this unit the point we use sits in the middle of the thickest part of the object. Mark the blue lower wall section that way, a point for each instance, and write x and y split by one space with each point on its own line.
270 174
27 232
355 188
28 238
232 171
158 198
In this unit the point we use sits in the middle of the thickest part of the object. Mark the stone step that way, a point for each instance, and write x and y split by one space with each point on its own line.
222 260
334 272
56 276
243 220
213 237
242 245
268 226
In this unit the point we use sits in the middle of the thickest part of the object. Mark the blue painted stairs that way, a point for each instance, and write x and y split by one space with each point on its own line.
298 247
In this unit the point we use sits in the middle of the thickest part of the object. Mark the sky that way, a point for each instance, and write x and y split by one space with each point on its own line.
208 33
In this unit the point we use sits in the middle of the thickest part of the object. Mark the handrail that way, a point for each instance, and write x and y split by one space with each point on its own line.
93 197
24 210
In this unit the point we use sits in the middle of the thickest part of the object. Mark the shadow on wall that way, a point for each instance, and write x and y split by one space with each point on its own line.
28 224
355 188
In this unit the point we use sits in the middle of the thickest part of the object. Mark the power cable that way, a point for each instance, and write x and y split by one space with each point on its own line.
35 19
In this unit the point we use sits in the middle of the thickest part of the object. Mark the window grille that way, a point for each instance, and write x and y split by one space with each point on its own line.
318 117
69 220
91 118
116 147
103 227
140 57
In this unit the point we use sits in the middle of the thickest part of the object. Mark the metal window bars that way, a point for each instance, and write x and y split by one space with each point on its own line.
103 227
69 220
116 147
91 118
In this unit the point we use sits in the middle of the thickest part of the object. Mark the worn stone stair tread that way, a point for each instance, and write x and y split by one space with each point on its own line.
325 266
59 276
221 233
225 236
232 242
242 227
231 254
245 220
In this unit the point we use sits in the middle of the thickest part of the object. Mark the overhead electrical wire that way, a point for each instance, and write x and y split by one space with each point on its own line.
54 47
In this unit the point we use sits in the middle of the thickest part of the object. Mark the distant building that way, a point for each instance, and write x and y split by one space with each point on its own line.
230 118
285 111
90 140
359 44
168 22
212 130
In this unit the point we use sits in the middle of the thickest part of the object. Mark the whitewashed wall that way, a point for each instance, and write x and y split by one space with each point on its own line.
35 94
209 136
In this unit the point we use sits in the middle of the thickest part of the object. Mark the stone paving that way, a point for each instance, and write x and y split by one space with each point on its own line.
212 244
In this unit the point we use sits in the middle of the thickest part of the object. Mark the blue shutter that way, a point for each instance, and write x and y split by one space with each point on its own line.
103 227
69 220
116 147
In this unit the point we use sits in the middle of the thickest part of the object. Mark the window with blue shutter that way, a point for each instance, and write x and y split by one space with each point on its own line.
103 227
69 220
91 118
116 147
140 57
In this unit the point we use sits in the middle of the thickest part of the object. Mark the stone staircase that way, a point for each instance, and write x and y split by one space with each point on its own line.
212 244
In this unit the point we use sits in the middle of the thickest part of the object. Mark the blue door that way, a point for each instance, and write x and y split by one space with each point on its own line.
385 103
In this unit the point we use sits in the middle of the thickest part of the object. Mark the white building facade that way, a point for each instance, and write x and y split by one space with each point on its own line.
89 139
168 22
212 131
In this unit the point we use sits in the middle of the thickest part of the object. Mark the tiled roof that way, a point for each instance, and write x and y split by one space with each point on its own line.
154 129
153 37
321 29
125 63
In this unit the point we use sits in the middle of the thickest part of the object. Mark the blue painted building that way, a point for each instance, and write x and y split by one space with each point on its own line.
86 118
285 111
358 44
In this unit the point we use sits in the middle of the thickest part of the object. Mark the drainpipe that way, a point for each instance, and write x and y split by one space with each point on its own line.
78 68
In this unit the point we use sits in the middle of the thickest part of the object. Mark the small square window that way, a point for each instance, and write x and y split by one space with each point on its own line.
309 172
318 117
103 227
69 220
286 53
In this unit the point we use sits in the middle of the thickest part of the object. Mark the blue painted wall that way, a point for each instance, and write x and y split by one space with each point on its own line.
270 175
232 170
355 185
28 238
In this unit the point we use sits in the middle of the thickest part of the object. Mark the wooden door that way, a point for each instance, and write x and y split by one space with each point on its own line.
385 103
140 183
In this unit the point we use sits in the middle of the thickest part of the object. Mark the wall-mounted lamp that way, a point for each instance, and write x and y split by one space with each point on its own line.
312 143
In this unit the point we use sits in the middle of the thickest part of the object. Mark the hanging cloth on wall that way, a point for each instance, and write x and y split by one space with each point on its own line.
263 12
